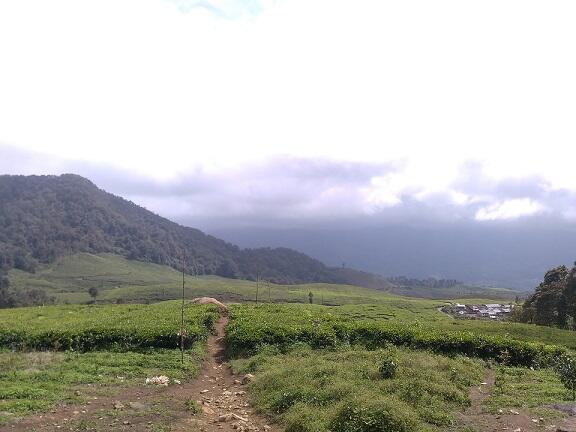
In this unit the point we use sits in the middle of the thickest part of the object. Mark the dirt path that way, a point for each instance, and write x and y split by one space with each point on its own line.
219 396
513 420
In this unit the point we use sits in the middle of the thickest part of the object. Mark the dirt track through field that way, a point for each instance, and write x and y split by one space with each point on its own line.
219 395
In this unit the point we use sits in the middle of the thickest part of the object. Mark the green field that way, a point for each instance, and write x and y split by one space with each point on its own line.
318 367
328 326
122 280
46 352
118 327
35 380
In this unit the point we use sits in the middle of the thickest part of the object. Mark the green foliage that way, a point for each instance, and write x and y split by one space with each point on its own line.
520 387
118 327
93 291
320 390
554 301
320 327
46 217
388 363
565 366
374 415
31 381
69 278
192 406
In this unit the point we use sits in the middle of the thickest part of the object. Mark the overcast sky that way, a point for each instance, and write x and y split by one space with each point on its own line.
290 111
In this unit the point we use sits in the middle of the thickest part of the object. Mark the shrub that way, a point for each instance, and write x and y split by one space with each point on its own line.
566 369
192 406
388 365
374 415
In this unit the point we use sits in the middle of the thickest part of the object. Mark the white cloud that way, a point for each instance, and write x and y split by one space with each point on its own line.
510 209
139 85
231 9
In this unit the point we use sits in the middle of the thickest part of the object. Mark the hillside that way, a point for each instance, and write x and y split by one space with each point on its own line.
117 279
46 217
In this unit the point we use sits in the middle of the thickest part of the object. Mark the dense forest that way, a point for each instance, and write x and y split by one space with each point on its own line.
44 217
554 301
424 283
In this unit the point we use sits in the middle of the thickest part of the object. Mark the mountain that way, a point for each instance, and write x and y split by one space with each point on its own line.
46 217
513 255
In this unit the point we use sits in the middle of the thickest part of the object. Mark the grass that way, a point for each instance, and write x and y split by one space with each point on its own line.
109 346
192 406
32 381
122 280
526 388
310 378
320 390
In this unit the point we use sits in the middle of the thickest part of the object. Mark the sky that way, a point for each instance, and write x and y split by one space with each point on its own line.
292 112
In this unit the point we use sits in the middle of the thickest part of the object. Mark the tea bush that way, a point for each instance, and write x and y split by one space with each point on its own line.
283 326
120 327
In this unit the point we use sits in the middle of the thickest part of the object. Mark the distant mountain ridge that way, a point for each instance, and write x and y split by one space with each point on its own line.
45 217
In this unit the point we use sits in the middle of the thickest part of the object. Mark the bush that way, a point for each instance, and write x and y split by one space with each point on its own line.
192 406
388 365
566 369
374 415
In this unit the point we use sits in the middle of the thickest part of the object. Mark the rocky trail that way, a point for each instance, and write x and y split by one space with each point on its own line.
215 401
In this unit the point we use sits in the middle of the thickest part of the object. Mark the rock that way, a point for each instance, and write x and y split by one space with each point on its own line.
231 416
227 393
514 412
138 406
240 393
204 391
209 300
160 380
207 410
225 417
118 405
569 409
247 378
237 382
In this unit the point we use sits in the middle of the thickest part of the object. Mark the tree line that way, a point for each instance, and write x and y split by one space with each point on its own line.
554 300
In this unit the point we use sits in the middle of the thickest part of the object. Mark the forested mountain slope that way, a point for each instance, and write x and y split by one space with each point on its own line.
44 217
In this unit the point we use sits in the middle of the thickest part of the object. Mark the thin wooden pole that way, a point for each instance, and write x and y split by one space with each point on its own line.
182 314
257 285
